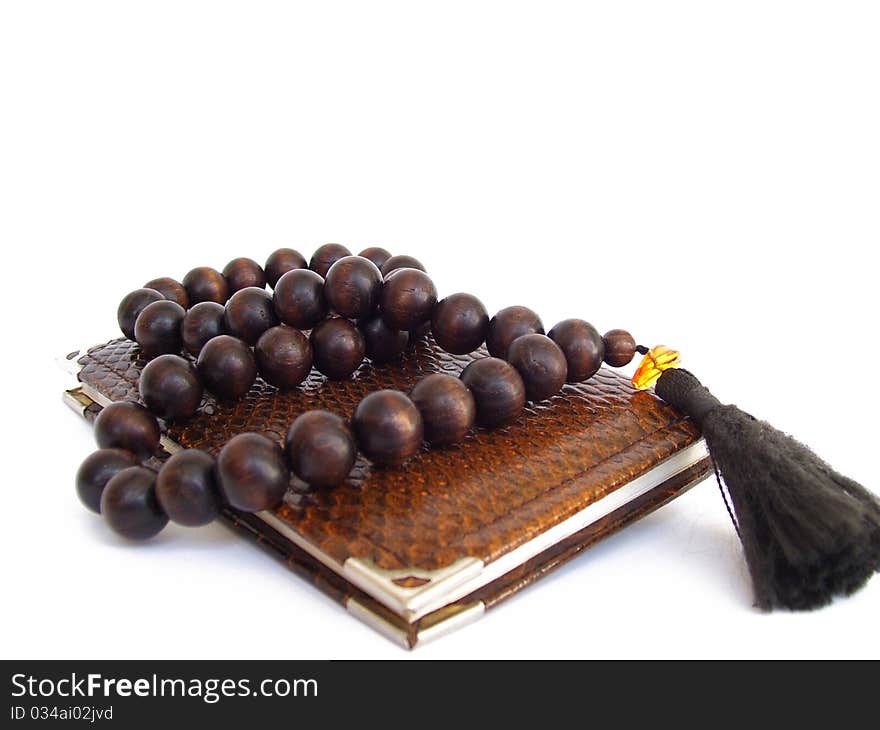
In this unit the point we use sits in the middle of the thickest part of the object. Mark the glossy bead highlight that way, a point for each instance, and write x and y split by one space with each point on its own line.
620 348
204 284
508 324
583 347
129 426
252 473
201 323
325 256
284 356
447 407
498 390
338 348
388 427
377 255
242 273
129 504
227 367
401 261
186 488
249 313
299 299
282 261
320 448
171 289
459 323
170 387
132 305
407 300
98 468
157 328
352 287
540 363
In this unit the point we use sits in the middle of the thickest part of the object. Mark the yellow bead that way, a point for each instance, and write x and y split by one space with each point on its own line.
653 364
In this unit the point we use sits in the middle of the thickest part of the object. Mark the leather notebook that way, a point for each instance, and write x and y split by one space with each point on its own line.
418 550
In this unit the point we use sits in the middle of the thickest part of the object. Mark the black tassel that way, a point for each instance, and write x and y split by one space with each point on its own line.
808 533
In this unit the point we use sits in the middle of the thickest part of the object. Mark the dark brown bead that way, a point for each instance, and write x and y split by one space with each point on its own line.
282 261
227 367
320 448
407 299
157 328
338 348
326 256
98 468
419 333
383 344
401 261
129 426
129 504
299 299
170 387
459 323
377 255
583 347
540 363
507 325
204 284
447 407
252 473
388 427
620 348
242 273
284 356
201 323
186 488
498 391
170 289
249 313
132 305
352 287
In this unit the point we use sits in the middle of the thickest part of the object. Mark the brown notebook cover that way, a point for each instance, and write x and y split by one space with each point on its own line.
418 550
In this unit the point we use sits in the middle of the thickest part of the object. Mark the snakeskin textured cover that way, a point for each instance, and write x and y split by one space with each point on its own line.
481 498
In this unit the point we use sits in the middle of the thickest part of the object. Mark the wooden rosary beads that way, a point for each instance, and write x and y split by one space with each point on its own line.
352 307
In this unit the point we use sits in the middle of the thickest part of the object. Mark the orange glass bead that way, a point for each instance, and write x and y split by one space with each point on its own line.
653 364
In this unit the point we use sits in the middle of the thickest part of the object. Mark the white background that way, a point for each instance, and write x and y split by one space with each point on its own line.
703 174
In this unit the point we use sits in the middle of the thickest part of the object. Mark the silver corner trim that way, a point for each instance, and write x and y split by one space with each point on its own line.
377 623
76 400
467 615
453 623
410 603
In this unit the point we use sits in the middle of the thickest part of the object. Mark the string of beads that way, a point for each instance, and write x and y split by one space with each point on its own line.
218 331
